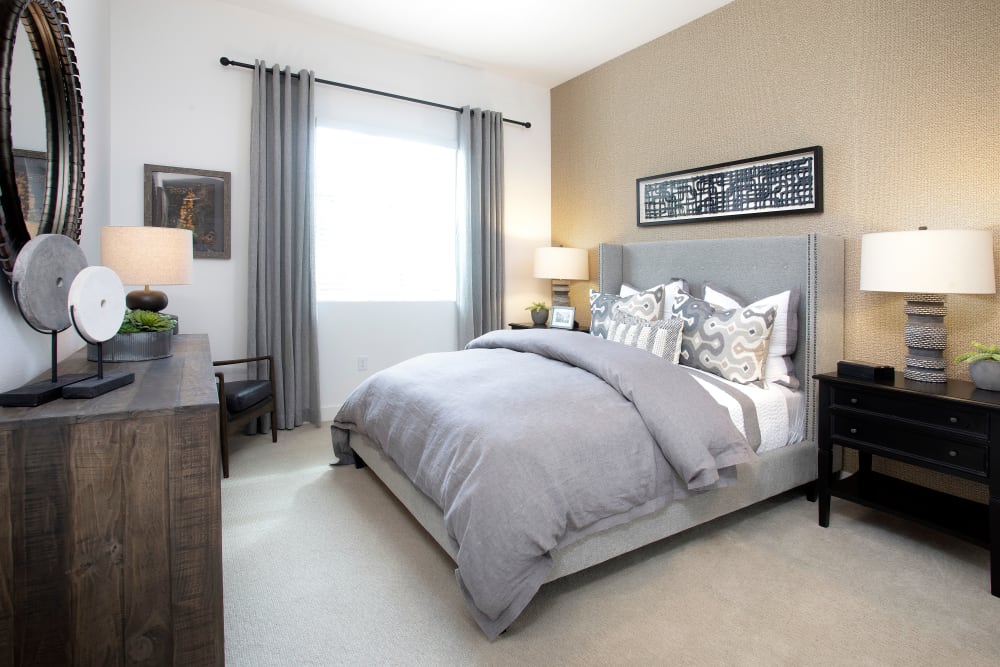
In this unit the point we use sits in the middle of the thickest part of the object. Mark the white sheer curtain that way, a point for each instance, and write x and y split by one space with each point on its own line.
281 304
480 252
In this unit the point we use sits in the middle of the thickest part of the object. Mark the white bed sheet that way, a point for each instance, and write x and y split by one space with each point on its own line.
779 411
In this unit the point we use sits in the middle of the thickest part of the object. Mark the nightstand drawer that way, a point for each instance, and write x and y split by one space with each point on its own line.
936 413
889 439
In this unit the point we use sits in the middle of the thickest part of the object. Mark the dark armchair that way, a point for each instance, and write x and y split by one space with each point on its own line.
244 401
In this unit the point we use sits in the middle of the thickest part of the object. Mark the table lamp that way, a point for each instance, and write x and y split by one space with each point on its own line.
148 256
925 265
560 265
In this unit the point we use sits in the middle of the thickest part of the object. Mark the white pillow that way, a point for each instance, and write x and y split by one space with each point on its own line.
779 366
670 289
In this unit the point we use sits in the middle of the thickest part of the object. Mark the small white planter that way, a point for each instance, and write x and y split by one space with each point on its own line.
985 374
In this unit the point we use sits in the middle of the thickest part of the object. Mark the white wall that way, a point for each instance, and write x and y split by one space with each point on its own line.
172 103
25 353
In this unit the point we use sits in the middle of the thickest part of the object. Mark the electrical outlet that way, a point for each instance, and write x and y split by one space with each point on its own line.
362 363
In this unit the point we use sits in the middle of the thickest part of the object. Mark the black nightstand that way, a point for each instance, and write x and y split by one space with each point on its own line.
519 325
949 427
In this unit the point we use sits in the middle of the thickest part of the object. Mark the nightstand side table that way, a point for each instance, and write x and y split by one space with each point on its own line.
950 427
519 325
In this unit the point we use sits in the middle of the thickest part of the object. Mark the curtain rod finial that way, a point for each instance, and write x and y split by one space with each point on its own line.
225 61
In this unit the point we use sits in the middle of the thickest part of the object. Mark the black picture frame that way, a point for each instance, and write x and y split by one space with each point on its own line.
790 182
195 199
31 176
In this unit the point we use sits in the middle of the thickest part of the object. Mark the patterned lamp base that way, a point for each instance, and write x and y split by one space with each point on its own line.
560 292
925 337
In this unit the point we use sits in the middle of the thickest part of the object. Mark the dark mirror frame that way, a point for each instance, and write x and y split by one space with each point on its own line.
47 28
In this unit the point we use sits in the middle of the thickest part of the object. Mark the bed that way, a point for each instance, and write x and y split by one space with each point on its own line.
755 268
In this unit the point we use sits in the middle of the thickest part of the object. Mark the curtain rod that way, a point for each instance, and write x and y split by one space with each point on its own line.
226 62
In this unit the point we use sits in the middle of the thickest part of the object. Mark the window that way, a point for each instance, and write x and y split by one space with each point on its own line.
385 218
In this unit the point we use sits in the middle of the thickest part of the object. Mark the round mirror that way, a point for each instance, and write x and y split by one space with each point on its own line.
55 175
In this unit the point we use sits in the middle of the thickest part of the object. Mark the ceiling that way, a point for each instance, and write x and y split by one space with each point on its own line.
545 42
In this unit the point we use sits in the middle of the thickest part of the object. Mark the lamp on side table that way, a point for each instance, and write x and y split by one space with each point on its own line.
560 265
927 264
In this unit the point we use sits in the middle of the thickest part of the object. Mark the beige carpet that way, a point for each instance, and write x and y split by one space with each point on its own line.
323 567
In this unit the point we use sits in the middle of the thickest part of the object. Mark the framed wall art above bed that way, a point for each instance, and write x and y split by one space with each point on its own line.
780 183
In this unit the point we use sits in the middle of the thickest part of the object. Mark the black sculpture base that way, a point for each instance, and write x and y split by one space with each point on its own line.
97 386
37 393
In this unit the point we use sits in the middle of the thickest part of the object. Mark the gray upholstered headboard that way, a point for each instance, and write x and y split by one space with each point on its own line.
751 268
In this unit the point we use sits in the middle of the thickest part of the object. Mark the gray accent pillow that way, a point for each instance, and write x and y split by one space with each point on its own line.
779 367
659 337
729 343
647 305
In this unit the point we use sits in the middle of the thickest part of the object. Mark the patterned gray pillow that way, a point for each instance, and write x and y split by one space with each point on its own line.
730 343
660 337
646 305
779 368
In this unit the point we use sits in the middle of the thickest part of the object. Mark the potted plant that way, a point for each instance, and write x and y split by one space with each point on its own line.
539 313
143 335
984 365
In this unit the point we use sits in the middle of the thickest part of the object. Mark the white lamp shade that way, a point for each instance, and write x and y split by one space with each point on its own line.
148 255
561 264
928 261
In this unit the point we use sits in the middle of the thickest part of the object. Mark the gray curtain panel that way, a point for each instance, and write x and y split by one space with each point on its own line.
281 304
480 252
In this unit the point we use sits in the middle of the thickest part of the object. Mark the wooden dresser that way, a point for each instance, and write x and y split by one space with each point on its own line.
110 520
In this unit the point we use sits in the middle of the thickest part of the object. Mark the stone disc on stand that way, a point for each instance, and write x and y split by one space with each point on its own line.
43 272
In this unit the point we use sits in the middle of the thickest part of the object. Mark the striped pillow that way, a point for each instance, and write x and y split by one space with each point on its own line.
660 337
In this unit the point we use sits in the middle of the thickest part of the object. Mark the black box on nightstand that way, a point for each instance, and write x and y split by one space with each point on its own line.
861 370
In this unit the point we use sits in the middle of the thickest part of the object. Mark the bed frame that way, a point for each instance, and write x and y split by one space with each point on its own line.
751 268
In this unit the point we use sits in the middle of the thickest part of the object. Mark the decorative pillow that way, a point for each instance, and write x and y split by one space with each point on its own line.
660 337
779 367
670 289
646 305
730 343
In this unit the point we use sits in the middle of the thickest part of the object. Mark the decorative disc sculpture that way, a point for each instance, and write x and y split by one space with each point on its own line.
96 306
43 272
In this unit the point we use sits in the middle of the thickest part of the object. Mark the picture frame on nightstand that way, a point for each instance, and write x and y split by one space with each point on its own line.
562 317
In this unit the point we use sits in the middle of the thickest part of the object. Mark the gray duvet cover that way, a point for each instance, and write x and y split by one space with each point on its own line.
530 440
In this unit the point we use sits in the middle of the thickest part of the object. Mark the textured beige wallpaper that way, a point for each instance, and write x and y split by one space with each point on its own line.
902 95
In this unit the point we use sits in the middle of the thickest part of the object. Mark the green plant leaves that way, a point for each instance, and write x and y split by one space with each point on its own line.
980 353
137 321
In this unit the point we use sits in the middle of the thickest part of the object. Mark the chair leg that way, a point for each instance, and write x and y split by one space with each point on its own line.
224 446
274 425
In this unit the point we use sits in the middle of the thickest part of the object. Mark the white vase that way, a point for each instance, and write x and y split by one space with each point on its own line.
986 374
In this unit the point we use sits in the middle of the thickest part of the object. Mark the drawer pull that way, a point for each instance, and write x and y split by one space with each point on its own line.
952 453
854 400
953 420
854 431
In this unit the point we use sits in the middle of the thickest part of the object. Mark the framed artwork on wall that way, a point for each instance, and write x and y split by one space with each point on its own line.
194 199
31 174
780 183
